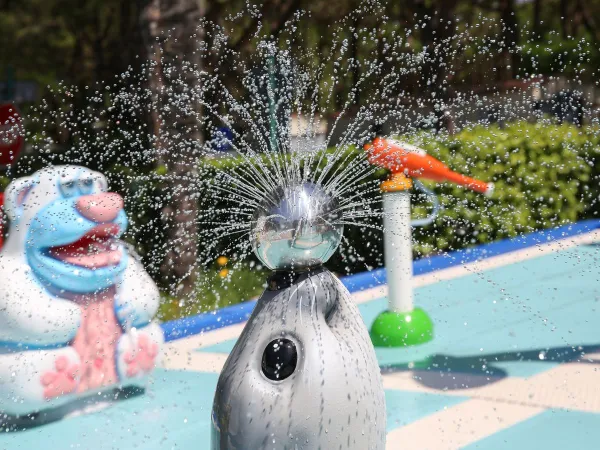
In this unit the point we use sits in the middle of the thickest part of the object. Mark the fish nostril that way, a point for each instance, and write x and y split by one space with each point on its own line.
279 359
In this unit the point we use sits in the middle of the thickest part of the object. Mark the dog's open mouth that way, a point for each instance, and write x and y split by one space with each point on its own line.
97 248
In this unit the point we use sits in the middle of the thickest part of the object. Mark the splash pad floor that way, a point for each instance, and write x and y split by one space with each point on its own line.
515 362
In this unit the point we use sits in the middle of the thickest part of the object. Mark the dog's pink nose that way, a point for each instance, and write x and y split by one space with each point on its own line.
100 207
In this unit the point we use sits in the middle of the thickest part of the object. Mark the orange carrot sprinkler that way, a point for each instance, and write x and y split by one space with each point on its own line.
403 324
408 160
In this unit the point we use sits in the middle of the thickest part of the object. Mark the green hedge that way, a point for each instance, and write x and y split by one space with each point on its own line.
216 290
545 175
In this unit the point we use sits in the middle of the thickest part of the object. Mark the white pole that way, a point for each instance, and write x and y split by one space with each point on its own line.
397 242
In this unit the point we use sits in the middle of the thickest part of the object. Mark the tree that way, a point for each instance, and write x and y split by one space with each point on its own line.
537 20
172 27
510 35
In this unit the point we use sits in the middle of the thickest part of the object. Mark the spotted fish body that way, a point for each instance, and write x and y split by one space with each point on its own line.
302 375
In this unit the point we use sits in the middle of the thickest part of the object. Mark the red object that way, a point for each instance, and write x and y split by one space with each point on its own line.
414 162
11 136
1 219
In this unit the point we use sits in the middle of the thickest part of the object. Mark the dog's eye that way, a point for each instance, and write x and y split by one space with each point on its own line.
86 186
68 189
103 186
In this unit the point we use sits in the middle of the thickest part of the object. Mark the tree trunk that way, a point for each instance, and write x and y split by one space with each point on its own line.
176 135
537 20
564 12
434 37
587 18
510 35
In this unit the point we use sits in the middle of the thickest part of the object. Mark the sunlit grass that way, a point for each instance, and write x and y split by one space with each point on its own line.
217 287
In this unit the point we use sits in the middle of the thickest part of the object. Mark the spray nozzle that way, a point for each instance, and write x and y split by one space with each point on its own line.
402 158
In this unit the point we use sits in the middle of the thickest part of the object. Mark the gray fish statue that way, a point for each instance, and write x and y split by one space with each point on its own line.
303 375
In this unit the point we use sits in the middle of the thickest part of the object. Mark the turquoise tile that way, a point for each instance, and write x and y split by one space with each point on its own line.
406 407
516 320
173 414
550 430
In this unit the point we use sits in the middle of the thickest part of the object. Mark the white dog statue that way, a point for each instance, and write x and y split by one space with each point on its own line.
76 306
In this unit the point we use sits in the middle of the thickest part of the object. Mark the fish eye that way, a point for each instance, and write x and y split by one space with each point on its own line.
279 359
68 189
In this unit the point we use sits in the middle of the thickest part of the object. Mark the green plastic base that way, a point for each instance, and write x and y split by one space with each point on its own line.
392 329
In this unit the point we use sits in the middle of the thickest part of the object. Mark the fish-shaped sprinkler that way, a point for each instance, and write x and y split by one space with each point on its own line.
303 374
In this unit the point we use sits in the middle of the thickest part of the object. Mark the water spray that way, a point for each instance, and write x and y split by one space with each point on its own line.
403 324
303 373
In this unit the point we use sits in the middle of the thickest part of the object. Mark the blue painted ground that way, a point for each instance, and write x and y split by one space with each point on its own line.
550 430
506 319
516 321
177 329
175 414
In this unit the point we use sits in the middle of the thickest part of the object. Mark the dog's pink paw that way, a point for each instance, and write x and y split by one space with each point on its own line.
63 381
143 358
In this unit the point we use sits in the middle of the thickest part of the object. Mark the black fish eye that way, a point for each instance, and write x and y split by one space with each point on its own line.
279 359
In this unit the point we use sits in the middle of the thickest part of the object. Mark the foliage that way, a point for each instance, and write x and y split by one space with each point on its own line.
556 56
216 291
78 42
545 175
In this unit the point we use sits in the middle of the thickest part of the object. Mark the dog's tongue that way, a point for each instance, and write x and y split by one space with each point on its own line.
89 258
98 248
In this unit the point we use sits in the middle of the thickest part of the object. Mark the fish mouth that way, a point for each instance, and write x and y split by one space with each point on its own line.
99 247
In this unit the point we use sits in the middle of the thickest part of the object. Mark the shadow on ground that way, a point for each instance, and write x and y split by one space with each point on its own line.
449 373
12 424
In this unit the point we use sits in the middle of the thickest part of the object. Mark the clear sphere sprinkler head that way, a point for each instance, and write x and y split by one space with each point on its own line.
296 229
402 324
305 349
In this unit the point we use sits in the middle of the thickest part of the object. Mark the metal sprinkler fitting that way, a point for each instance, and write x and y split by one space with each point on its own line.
303 374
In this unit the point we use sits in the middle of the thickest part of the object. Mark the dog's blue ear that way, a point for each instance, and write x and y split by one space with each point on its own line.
15 196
